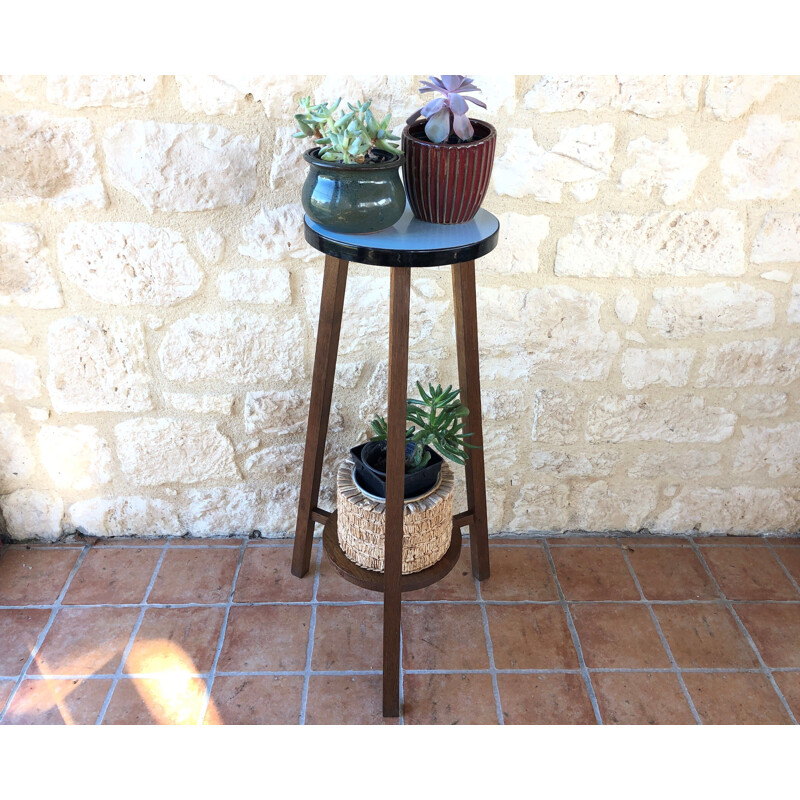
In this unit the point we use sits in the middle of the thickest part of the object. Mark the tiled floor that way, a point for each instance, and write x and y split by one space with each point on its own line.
583 631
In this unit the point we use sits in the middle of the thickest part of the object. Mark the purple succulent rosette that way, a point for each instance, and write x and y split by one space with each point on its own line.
448 113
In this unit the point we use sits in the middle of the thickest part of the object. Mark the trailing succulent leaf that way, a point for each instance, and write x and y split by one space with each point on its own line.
449 113
438 422
353 138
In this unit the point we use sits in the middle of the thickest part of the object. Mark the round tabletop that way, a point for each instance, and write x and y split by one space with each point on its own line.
410 242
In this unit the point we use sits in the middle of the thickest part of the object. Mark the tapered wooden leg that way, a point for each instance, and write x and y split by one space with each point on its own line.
330 323
395 472
469 380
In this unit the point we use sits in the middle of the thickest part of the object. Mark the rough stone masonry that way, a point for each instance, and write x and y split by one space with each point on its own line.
639 321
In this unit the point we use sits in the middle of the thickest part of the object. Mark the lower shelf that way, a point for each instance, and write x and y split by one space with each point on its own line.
367 579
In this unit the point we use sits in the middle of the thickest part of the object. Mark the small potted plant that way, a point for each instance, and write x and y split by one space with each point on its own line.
353 183
438 421
449 158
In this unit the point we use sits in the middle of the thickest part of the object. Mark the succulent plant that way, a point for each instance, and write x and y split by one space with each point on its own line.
449 113
353 138
439 418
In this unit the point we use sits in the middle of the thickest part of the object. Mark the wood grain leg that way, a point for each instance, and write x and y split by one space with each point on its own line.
330 322
466 317
395 472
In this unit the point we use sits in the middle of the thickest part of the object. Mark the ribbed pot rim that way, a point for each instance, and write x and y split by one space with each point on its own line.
337 166
492 134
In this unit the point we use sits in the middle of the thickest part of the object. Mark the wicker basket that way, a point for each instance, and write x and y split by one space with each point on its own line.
361 524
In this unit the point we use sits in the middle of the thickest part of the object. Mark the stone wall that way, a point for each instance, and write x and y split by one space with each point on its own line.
640 320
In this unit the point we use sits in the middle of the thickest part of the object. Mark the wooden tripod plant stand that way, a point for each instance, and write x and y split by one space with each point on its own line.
410 243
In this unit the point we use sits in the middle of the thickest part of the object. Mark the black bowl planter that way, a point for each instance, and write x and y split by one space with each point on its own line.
370 463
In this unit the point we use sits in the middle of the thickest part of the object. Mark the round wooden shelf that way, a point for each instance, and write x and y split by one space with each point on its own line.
368 579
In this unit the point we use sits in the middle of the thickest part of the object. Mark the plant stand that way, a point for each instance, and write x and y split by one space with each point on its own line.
409 243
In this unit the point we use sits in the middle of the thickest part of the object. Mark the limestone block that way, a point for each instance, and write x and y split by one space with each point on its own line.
75 457
580 161
13 333
634 418
690 311
669 165
211 244
765 163
376 394
118 91
678 463
155 451
771 404
505 404
658 96
555 417
540 507
177 167
128 263
278 95
19 376
395 94
97 365
38 414
793 313
275 412
601 507
518 247
16 459
31 514
555 93
626 307
777 275
672 243
348 373
200 403
499 92
731 96
761 362
667 367
737 509
268 286
278 459
21 87
275 234
287 168
775 451
25 278
778 239
235 347
49 160
125 516
574 465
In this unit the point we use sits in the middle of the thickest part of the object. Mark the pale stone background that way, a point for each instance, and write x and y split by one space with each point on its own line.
640 339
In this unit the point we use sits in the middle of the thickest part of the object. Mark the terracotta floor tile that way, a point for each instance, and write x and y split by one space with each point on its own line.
531 637
85 641
502 541
738 541
6 688
34 576
201 541
443 637
785 541
449 699
130 541
545 700
735 698
458 584
58 702
519 574
671 573
634 542
113 575
346 700
789 684
618 637
265 638
745 573
195 575
641 698
255 700
171 639
265 576
19 630
704 637
775 629
348 638
790 558
583 541
332 587
176 700
593 573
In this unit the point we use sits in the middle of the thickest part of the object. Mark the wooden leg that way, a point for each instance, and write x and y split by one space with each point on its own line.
395 471
469 380
330 323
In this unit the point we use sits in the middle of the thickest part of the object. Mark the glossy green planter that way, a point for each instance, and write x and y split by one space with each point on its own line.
353 198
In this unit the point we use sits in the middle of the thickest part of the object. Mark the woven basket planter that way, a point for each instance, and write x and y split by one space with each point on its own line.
361 524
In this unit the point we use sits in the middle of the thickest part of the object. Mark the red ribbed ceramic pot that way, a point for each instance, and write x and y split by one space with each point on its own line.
446 183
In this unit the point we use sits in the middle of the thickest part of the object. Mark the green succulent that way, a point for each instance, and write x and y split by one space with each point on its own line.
438 422
349 139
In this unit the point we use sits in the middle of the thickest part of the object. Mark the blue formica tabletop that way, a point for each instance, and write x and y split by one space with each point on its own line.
410 242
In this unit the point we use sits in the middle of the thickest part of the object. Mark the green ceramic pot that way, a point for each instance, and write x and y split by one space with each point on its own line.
353 198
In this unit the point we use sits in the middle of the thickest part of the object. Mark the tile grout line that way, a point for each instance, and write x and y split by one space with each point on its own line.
312 626
765 670
663 638
212 674
576 642
490 651
56 607
786 572
134 633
